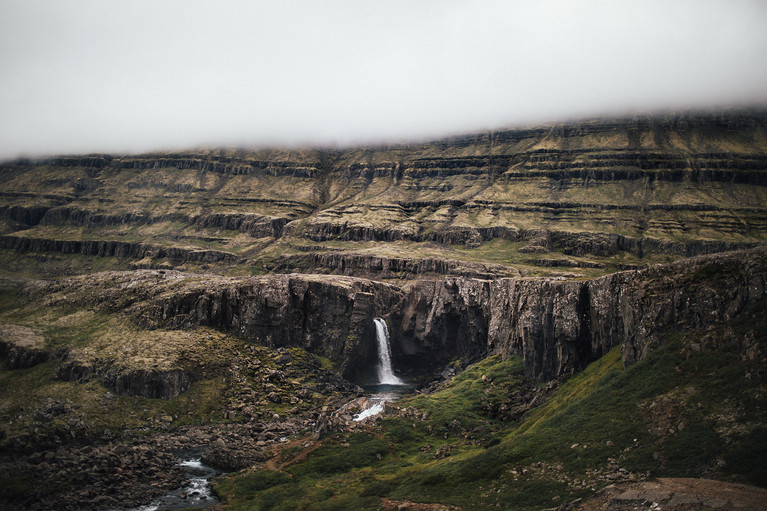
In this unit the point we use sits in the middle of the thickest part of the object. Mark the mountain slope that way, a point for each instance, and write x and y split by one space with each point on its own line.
582 199
693 408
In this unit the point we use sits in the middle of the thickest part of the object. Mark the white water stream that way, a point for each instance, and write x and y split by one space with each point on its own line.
386 375
197 494
389 386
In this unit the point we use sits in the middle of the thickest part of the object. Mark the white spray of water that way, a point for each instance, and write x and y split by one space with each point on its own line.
385 374
375 409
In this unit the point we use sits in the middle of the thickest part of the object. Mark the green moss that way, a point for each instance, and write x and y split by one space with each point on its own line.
362 450
681 412
8 300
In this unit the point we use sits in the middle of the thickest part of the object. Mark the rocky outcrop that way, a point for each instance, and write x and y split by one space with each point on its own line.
123 249
151 383
26 215
21 347
599 244
70 215
329 316
544 320
440 320
368 265
559 326
639 307
600 165
258 226
219 164
254 224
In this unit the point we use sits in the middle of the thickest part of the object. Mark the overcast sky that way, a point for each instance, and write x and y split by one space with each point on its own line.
131 75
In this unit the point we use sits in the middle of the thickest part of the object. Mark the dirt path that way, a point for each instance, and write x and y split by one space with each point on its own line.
272 463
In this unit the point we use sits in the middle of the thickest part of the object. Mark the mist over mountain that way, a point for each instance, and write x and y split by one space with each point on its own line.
136 76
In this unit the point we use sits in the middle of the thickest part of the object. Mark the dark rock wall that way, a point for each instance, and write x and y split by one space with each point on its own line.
570 243
559 326
20 357
386 267
151 383
439 320
107 248
329 316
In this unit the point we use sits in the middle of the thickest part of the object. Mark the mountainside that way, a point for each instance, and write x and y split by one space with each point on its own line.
580 199
580 309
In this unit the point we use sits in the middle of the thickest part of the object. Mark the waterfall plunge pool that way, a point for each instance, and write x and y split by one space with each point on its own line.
380 394
389 387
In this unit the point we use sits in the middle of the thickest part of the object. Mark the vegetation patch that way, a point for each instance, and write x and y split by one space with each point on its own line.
688 410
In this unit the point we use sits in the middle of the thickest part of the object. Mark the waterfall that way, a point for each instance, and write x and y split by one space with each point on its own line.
385 373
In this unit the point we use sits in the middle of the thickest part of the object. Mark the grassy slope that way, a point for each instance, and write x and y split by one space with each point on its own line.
695 407
113 343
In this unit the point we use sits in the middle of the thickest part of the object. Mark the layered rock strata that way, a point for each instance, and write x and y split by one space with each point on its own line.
660 187
110 248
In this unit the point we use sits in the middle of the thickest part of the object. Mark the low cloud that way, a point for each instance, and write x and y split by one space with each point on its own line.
123 76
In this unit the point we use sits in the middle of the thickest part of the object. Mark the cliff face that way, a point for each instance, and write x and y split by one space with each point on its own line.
356 264
121 249
438 320
159 320
332 317
478 214
329 316
559 326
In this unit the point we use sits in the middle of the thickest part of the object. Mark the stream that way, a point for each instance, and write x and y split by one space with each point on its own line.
380 394
198 494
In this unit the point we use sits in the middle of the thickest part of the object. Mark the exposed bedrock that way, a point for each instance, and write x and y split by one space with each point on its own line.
328 316
360 264
21 347
26 215
217 164
439 320
570 243
558 326
151 383
108 248
251 223
331 316
256 225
